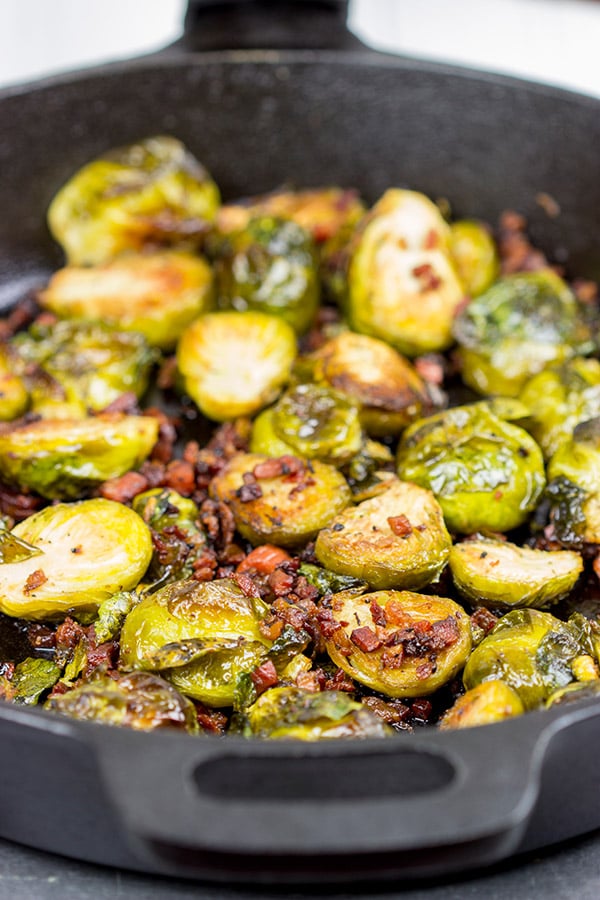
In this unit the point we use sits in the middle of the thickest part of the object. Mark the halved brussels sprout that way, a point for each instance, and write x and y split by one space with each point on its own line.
234 363
574 486
90 363
14 396
574 693
89 551
402 284
270 266
138 700
486 473
561 398
492 701
397 642
518 327
475 256
290 712
174 519
311 421
283 501
153 192
374 376
157 295
63 459
201 636
397 539
530 651
498 573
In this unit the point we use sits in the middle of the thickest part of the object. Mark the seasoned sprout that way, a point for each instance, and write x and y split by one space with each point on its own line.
283 501
235 363
311 421
63 459
475 255
200 636
179 539
402 284
521 325
153 192
387 389
139 700
88 552
397 539
498 573
289 712
87 365
561 398
157 295
492 701
398 643
574 486
486 473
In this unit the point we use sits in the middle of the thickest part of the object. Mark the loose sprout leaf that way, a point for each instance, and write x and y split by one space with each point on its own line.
328 582
14 549
78 662
180 653
244 694
31 678
111 615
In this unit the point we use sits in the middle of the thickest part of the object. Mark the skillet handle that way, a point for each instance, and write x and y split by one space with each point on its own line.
301 812
267 25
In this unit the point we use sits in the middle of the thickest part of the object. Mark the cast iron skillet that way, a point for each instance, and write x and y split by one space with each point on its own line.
416 805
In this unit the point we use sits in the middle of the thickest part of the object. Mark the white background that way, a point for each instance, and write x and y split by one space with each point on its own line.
556 41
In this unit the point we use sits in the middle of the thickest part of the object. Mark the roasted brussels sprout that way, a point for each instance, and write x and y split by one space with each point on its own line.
561 398
397 642
284 501
174 520
573 693
14 396
395 540
90 364
289 712
153 192
498 573
157 295
486 473
492 701
574 487
235 363
88 552
138 700
201 636
311 421
374 376
473 250
521 325
63 459
402 284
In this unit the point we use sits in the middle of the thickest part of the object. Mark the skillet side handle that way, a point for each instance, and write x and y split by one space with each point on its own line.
299 813
267 25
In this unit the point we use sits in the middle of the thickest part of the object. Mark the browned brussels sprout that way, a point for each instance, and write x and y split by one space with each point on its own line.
90 364
88 552
64 459
561 398
311 421
398 643
475 256
157 295
486 473
498 573
397 539
284 501
492 701
384 385
270 266
235 363
402 284
289 712
574 487
200 636
139 700
153 192
179 539
518 327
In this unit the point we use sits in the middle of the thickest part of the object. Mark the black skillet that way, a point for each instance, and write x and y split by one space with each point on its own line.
337 113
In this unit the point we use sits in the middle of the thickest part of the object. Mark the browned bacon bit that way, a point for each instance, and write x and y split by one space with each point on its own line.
232 555
166 376
425 670
246 585
205 565
124 403
34 581
327 624
180 477
282 465
484 619
516 252
444 633
585 291
304 590
40 636
400 526
393 712
210 720
22 315
427 276
396 615
308 681
17 506
431 368
421 709
378 613
365 639
280 582
393 657
339 681
271 628
301 485
153 472
290 613
264 676
124 488
250 489
103 656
